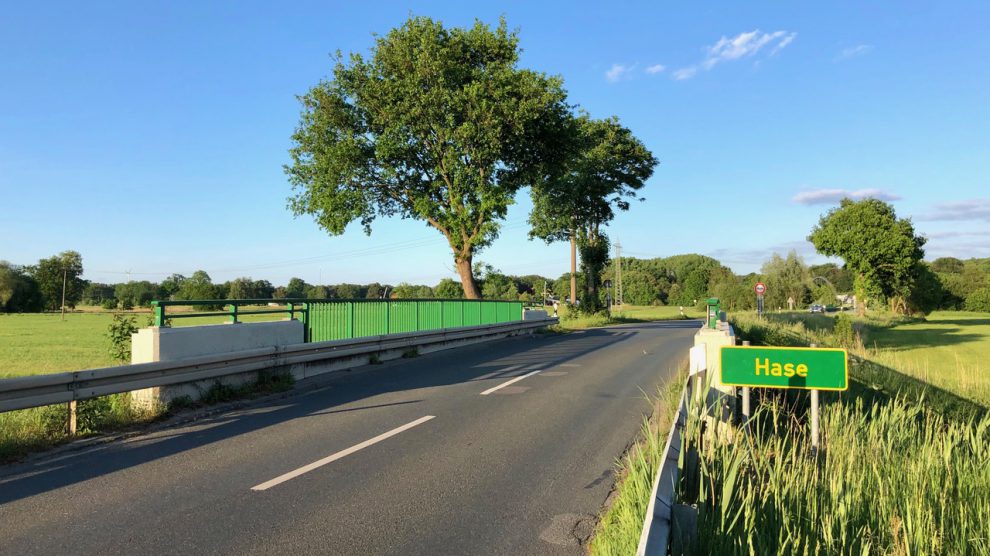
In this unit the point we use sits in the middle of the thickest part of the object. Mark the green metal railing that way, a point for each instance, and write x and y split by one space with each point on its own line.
337 319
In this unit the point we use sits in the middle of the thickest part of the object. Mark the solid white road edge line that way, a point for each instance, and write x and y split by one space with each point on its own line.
508 382
343 453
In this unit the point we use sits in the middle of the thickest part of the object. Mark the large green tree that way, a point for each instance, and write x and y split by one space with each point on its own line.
787 278
62 272
606 168
19 292
436 124
199 286
881 250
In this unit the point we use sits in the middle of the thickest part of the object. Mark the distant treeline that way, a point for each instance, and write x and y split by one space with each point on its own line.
683 280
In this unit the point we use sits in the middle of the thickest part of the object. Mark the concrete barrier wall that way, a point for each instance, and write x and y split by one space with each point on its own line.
172 344
534 314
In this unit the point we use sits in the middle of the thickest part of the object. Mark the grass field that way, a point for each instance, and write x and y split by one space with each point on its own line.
950 350
41 343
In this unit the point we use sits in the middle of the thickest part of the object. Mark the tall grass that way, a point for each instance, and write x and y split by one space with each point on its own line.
39 428
891 478
620 526
903 468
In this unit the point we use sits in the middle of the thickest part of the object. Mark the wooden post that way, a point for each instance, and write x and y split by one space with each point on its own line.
573 269
73 424
814 417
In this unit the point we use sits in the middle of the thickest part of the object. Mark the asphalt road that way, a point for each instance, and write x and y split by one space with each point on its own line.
405 458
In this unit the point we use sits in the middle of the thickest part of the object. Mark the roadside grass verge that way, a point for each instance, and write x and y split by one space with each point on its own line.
41 428
31 430
627 314
620 525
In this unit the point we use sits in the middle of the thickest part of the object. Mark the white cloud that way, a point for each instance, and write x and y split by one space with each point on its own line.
973 209
954 234
656 68
830 196
854 51
743 45
618 72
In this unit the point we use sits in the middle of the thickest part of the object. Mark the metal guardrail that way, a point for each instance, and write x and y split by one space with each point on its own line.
657 525
41 390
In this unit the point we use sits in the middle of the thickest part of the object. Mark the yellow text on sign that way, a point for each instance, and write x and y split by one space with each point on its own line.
769 368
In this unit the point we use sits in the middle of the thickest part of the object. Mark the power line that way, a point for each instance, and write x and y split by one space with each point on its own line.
384 249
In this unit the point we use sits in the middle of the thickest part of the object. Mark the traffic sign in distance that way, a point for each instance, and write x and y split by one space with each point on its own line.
760 288
782 367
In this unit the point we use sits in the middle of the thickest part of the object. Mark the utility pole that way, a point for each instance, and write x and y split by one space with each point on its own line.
573 267
618 273
64 275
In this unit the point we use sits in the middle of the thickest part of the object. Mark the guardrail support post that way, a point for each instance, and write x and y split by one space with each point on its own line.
233 313
73 421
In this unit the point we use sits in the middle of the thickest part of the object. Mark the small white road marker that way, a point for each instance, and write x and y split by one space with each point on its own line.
343 453
508 382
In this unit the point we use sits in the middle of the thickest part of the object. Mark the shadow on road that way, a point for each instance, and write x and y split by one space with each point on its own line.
498 359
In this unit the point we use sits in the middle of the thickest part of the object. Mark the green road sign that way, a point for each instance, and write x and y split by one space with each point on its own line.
783 367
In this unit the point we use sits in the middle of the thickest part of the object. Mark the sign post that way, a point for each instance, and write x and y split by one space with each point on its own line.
761 289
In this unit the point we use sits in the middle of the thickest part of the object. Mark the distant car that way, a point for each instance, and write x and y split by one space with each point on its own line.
816 308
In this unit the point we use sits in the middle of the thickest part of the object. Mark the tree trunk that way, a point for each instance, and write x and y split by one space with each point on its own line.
573 267
463 262
860 291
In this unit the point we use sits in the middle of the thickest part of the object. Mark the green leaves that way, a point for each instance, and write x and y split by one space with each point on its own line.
879 248
437 125
606 166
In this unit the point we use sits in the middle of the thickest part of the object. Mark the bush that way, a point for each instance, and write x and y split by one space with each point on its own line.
979 300
109 304
843 331
119 334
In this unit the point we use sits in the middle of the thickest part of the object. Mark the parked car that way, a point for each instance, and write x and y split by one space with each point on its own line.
816 308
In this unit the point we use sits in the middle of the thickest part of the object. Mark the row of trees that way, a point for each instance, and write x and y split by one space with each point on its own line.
42 286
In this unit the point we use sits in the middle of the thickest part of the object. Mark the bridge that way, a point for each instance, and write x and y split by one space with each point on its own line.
501 447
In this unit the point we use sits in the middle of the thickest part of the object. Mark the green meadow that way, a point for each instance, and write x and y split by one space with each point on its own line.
41 343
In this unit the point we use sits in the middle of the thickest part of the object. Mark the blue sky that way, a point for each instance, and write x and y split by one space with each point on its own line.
150 138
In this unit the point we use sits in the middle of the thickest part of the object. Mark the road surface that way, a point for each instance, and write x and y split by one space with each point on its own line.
506 447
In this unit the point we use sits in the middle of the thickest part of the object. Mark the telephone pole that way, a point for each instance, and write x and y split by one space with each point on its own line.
65 272
618 273
573 268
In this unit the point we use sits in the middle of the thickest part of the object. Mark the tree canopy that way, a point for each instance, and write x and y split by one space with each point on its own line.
880 249
605 169
436 124
51 274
